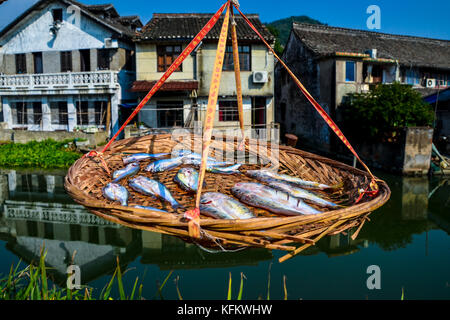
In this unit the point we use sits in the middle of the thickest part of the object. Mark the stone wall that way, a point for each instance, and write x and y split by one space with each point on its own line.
19 136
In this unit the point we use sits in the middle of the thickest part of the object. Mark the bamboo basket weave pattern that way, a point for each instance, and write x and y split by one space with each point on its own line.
86 178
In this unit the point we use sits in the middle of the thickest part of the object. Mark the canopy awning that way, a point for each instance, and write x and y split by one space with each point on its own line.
180 85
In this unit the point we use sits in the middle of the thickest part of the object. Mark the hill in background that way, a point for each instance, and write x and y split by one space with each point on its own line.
282 28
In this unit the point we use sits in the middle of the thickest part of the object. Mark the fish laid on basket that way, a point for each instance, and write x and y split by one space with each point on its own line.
143 156
116 192
129 171
187 179
153 188
269 176
221 206
261 196
297 192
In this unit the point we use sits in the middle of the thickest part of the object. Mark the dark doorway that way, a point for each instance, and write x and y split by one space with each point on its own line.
258 111
82 113
85 60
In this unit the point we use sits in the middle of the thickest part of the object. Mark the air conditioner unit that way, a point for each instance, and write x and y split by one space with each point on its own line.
260 76
430 83
111 43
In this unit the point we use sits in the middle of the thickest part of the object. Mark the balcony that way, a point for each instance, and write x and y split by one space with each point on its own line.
59 81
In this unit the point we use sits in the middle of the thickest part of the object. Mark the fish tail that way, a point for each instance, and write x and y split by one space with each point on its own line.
337 186
178 205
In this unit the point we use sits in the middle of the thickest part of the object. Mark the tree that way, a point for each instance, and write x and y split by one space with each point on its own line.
380 114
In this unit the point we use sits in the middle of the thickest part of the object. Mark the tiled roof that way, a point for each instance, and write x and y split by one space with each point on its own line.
130 20
145 86
103 8
408 50
185 26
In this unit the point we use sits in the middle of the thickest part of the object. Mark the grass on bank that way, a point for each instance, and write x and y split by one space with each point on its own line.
47 154
32 283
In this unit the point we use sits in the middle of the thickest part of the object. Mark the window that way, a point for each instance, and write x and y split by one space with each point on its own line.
57 15
244 58
412 77
259 111
66 61
228 111
37 58
85 60
170 114
21 63
37 112
350 71
22 113
60 114
100 112
82 113
103 59
166 56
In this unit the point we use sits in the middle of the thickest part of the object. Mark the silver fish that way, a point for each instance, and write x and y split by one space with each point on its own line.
129 171
221 206
189 154
151 187
224 170
268 176
187 179
301 193
164 164
260 196
143 156
197 162
150 209
116 192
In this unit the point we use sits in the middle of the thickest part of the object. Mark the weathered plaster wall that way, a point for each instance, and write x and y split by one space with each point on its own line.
261 60
343 87
33 34
417 150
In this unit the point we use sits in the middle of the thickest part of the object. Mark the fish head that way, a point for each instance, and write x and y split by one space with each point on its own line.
211 197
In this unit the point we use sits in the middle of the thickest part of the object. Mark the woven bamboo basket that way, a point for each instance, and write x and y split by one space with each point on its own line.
86 178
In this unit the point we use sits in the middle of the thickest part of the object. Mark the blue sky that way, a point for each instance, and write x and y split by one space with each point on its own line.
410 17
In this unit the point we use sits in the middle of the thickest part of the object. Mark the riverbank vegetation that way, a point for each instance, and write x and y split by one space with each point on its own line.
382 113
47 154
34 283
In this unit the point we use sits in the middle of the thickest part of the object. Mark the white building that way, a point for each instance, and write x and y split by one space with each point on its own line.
65 65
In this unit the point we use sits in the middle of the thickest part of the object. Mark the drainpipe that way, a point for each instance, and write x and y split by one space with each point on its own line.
194 57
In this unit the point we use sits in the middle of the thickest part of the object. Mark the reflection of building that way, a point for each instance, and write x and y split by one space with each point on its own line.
173 253
38 213
415 198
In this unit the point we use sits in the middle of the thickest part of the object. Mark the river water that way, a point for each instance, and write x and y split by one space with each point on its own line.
407 239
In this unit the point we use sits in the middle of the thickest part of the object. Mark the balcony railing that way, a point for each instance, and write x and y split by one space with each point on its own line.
69 80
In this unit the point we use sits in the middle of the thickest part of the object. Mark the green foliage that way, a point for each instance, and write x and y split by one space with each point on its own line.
382 113
276 33
45 154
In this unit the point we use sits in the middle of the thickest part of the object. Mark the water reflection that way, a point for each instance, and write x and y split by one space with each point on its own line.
36 210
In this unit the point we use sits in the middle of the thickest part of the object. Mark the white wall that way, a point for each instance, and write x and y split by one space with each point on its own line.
33 34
